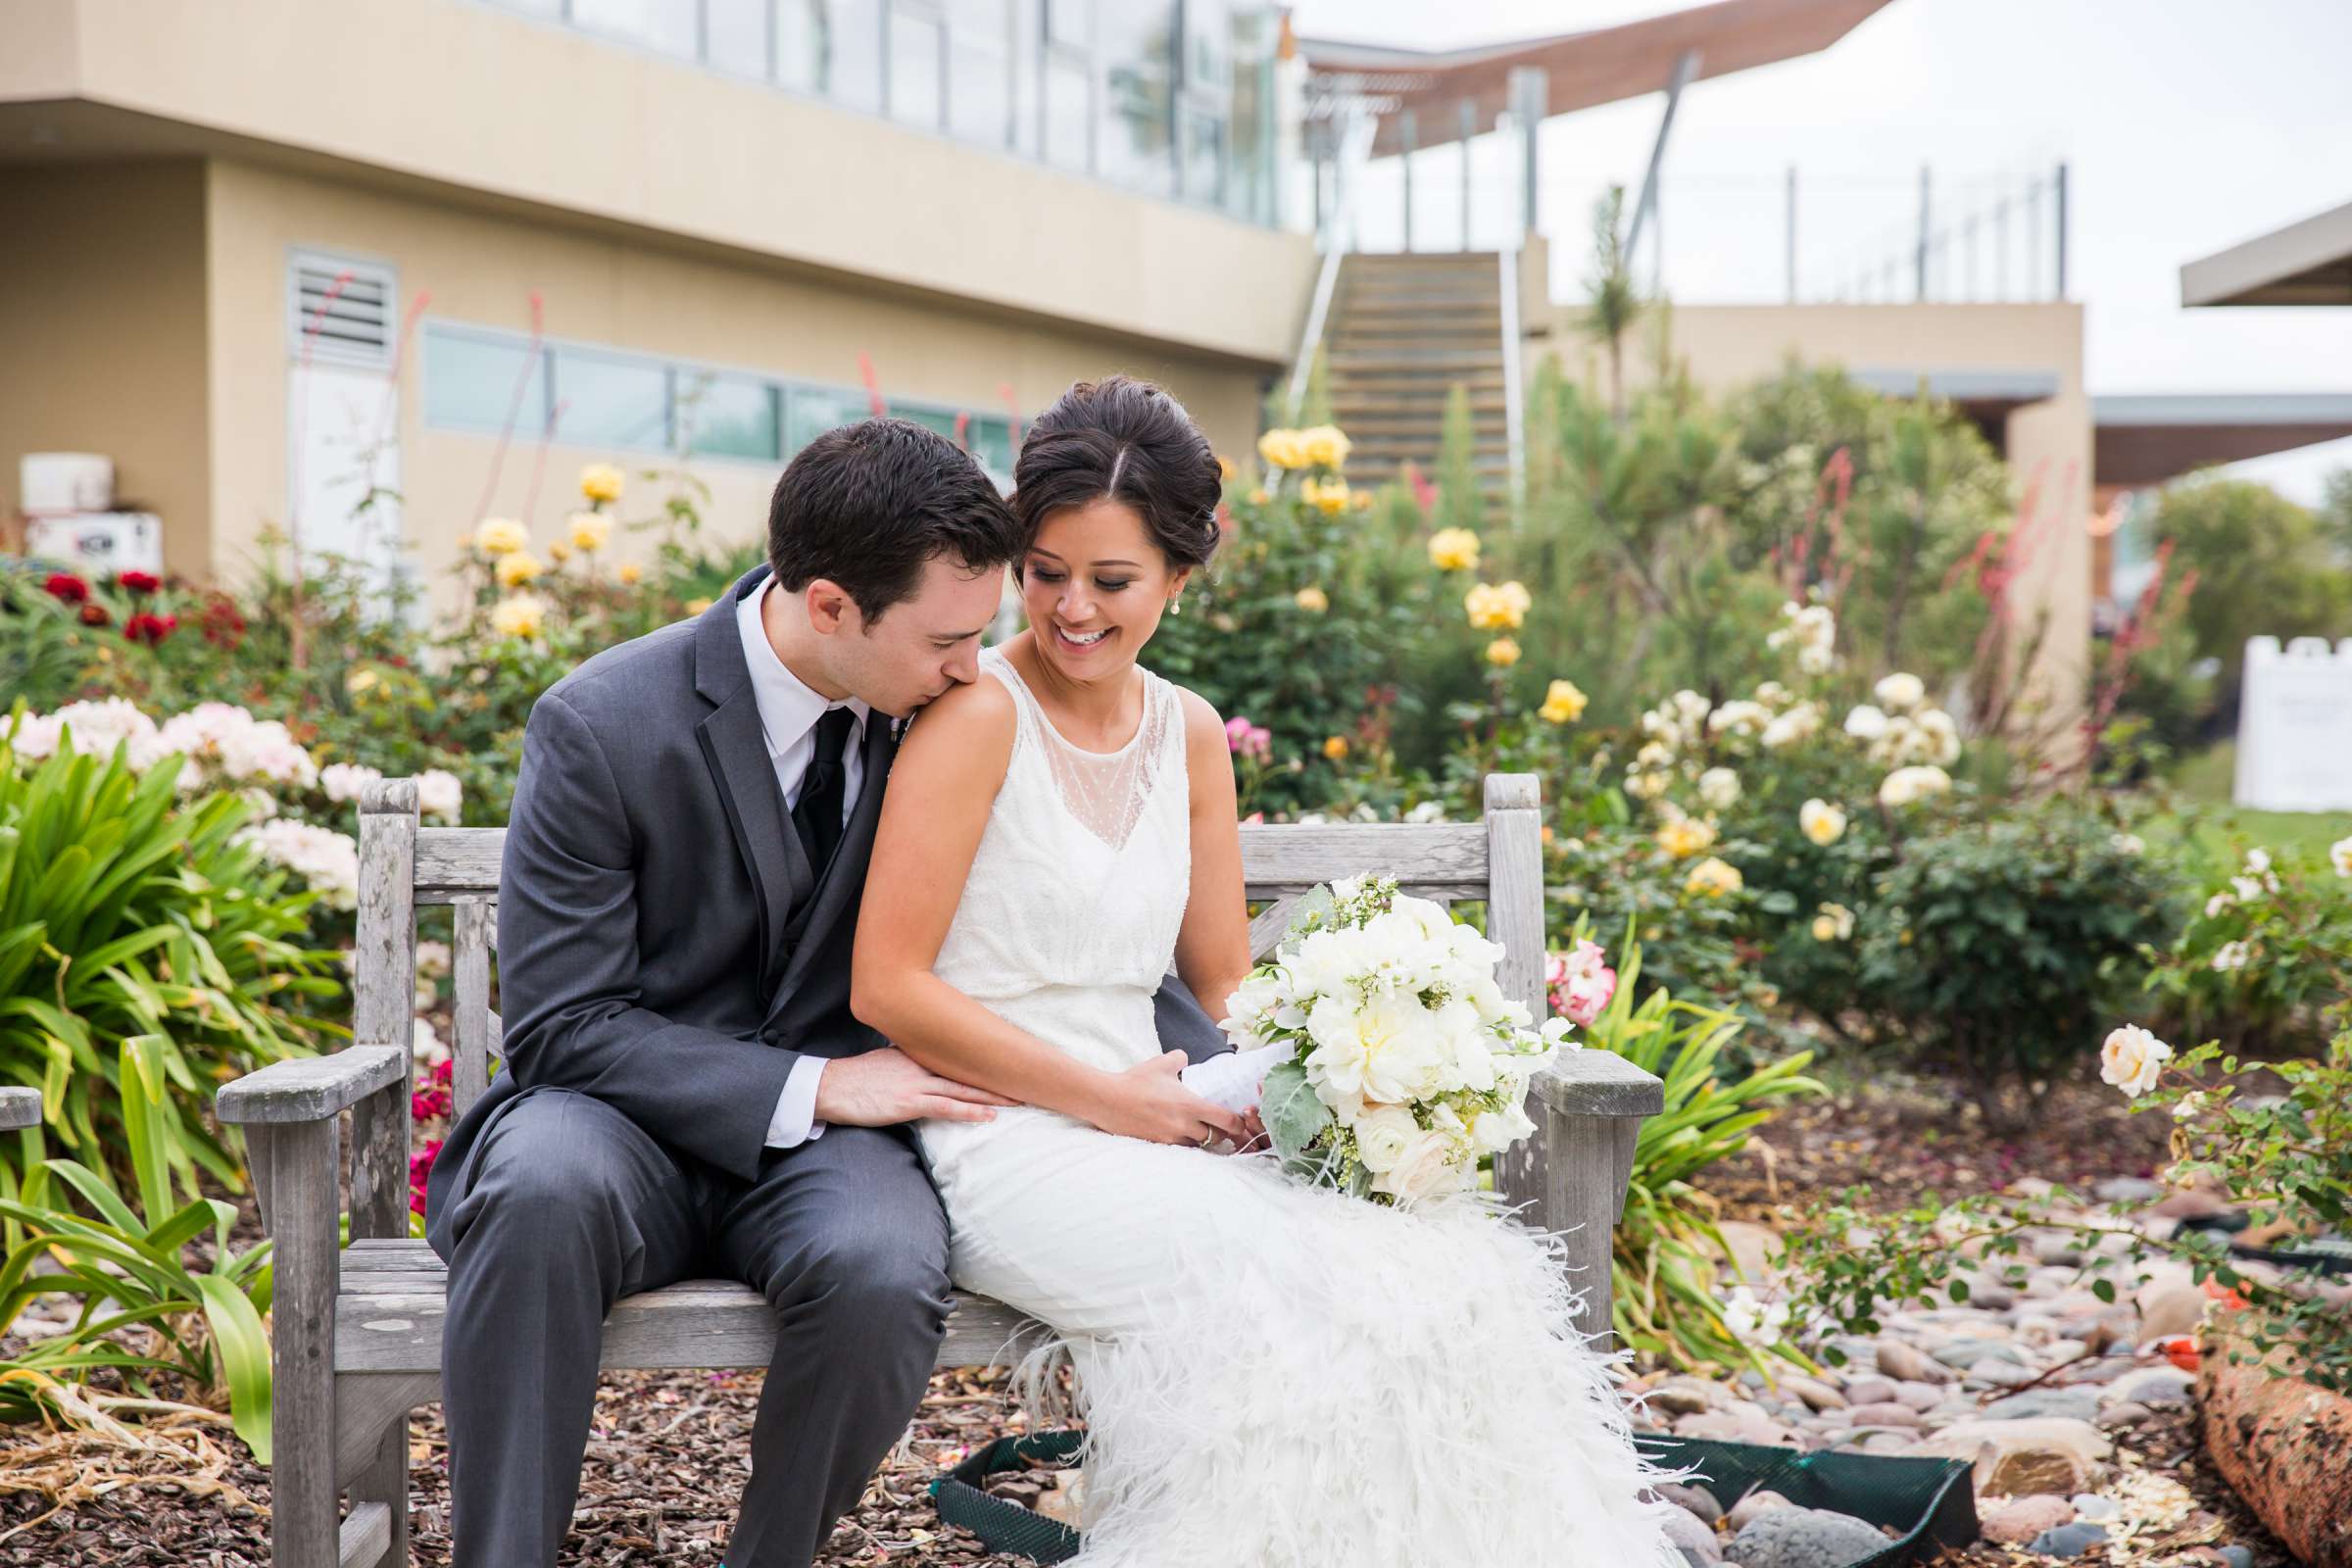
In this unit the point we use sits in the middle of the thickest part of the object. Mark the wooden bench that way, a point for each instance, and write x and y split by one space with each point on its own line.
358 1331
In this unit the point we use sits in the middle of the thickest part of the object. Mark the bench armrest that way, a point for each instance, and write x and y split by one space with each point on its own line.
1598 1083
19 1107
313 1088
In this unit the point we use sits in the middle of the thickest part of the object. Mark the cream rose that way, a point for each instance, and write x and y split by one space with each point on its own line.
2133 1058
1822 822
1382 1134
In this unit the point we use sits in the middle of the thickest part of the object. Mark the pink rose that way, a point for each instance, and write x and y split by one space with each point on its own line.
1580 983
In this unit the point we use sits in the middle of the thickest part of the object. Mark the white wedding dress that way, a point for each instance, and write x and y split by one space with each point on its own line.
1273 1376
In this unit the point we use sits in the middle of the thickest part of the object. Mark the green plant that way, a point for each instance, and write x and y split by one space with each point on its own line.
128 1269
125 913
1994 945
1664 1273
2266 961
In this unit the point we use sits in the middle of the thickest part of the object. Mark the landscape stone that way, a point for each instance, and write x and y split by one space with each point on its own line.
2130 1413
1816 1395
1991 1374
1906 1363
2083 1404
2237 1556
2021 1519
1889 1413
1870 1390
2067 1541
1806 1537
1693 1535
1966 1354
1893 1444
1687 1396
2170 1310
2152 1386
2030 1454
2132 1190
1749 1508
2091 1505
1696 1501
1918 1395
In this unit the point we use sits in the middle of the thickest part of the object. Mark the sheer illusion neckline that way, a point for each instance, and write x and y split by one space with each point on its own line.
1142 724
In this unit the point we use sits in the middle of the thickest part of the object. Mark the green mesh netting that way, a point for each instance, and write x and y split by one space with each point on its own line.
1928 1501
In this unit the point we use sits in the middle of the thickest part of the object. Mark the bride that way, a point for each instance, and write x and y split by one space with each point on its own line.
1273 1375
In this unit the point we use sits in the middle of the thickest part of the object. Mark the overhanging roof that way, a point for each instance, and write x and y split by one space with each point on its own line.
2309 263
1599 66
2147 439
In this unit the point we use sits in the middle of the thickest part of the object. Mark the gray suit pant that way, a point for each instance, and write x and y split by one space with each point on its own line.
568 1205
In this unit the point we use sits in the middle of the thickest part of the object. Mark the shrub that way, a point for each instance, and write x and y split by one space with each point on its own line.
2266 959
1994 945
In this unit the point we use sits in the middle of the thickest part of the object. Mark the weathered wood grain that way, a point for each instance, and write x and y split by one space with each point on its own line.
301 1158
312 1088
19 1107
469 969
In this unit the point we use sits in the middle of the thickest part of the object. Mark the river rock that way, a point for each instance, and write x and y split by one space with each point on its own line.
1806 1537
2030 1454
1754 1506
1919 1395
1696 1501
1753 1247
1908 1364
1966 1354
2080 1404
1996 1374
1817 1395
2152 1386
2132 1190
2130 1413
1888 1413
1693 1535
2067 1541
1687 1396
2021 1519
1869 1389
2169 1310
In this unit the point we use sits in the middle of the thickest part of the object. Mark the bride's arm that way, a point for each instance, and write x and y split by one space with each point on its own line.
941 787
1212 949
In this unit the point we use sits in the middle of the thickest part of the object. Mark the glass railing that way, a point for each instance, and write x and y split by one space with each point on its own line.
1166 98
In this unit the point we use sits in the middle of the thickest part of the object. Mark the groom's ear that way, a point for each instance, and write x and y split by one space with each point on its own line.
830 606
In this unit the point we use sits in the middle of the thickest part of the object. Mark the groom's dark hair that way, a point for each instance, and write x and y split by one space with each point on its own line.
867 504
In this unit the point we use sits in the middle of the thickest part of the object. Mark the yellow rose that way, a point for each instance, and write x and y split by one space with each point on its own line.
500 536
1820 822
1335 747
1453 550
1835 923
1361 501
359 680
628 571
1282 449
1324 446
1502 651
1714 879
1328 496
1563 703
1311 600
464 543
1226 470
559 552
1497 608
600 481
695 607
590 530
516 567
1686 837
520 615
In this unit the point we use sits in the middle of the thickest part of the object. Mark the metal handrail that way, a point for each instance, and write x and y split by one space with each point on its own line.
1354 152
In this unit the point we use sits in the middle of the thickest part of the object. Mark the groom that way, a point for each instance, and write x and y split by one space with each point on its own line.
685 1092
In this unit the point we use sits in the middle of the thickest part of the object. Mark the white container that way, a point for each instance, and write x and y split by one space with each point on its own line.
51 483
101 543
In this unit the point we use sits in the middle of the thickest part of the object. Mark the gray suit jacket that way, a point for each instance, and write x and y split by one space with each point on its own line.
664 943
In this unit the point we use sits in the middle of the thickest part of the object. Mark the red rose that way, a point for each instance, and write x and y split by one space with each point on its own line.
150 629
137 582
65 586
95 616
224 627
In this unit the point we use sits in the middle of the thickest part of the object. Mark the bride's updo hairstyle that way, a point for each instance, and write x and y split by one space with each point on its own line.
1124 440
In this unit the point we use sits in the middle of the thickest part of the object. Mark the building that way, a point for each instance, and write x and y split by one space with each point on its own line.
276 255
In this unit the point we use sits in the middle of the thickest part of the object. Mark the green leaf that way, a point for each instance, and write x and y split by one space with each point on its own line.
1294 1117
244 1352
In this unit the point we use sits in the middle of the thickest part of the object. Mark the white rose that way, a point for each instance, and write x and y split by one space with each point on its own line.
2339 856
1497 1130
1719 787
1900 691
1820 821
2231 955
2216 903
2133 1058
2257 860
343 781
1431 1163
2129 844
1866 724
439 795
1382 1134
425 1046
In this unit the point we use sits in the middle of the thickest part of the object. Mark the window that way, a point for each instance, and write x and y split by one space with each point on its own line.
1136 115
736 36
604 401
668 25
917 57
809 412
471 382
840 44
728 415
980 70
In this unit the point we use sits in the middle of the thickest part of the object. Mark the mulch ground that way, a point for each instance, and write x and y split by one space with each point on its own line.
671 1450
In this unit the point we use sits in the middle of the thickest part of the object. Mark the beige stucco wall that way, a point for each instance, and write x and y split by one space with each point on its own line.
2048 442
102 333
517 112
481 267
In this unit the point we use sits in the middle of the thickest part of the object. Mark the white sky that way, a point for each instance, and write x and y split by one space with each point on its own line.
2188 125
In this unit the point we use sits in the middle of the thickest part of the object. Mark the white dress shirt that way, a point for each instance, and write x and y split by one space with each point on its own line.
788 716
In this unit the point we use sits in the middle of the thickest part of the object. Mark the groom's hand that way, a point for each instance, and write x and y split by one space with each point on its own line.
883 1088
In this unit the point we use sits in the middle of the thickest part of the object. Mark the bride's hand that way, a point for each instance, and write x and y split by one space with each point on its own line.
1148 1102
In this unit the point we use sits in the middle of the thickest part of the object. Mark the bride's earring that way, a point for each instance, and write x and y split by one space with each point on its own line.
1175 604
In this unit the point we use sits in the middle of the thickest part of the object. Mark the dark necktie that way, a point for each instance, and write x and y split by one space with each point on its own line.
818 817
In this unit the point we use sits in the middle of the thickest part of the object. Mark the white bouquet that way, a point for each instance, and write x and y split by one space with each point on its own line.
1397 1061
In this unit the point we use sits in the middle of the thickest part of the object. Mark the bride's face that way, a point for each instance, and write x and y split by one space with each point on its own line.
1095 586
